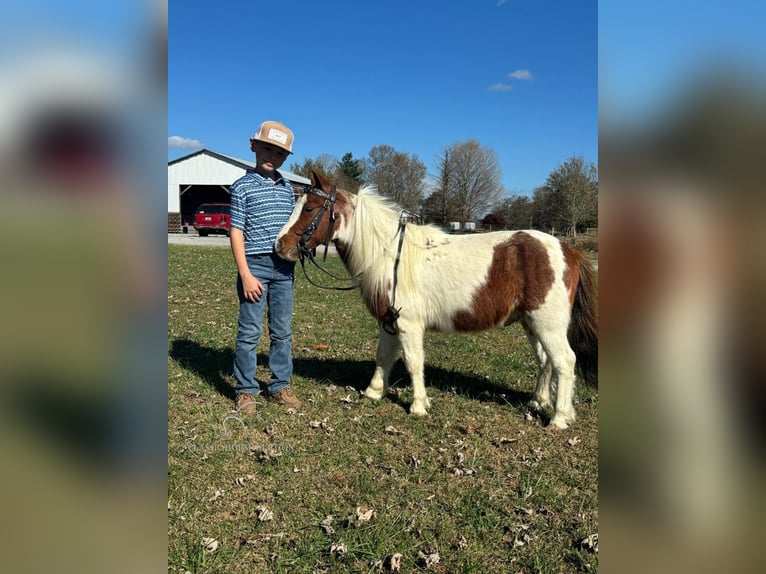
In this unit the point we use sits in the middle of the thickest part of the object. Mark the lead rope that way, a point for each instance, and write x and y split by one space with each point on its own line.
312 259
389 322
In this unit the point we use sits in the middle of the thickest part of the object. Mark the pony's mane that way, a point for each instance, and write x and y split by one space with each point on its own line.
374 240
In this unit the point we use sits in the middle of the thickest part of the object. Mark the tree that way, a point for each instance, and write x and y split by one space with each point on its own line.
544 209
396 175
325 165
518 211
469 180
494 221
572 189
348 174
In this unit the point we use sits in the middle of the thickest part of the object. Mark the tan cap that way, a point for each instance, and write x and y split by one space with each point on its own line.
276 134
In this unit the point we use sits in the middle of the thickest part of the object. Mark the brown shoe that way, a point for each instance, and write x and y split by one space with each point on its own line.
285 397
245 403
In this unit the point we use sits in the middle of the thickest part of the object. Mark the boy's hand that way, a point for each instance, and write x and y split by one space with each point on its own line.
253 288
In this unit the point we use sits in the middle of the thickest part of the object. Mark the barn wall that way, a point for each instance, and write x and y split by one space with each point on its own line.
198 170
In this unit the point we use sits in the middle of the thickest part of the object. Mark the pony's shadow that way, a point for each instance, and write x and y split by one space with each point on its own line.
214 366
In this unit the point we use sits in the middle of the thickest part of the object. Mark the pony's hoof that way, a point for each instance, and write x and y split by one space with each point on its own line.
535 405
418 409
373 394
560 422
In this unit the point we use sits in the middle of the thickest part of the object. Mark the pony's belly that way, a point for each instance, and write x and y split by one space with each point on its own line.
483 318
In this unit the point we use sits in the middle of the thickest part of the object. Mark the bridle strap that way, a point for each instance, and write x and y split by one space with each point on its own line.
306 253
329 203
389 322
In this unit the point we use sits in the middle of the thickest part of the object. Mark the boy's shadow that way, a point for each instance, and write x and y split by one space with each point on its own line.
214 366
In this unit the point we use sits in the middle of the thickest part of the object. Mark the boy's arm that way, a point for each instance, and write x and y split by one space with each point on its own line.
252 287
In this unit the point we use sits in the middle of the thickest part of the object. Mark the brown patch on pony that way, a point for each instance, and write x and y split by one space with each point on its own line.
518 280
572 269
377 303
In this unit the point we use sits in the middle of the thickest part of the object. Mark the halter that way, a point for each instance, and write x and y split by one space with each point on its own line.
303 249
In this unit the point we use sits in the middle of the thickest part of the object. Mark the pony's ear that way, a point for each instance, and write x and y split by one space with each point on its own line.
317 180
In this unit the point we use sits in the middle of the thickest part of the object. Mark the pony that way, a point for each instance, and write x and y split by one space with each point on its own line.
414 278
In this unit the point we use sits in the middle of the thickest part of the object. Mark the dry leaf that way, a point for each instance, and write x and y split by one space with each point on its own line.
429 559
347 399
460 543
338 550
574 441
392 430
361 516
326 524
243 479
591 543
321 347
264 514
321 425
218 494
395 563
210 544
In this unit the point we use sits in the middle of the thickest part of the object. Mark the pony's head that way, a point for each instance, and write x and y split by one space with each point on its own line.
314 221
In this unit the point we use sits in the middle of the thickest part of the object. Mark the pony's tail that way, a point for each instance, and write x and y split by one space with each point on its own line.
583 326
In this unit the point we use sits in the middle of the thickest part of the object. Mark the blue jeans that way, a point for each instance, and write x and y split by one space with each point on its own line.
277 277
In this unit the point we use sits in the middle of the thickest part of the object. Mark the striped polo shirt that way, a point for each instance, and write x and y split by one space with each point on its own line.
260 207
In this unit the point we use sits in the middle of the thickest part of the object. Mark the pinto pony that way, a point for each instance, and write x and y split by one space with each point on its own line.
414 278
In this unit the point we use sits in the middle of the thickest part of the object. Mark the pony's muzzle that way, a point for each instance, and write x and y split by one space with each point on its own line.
289 254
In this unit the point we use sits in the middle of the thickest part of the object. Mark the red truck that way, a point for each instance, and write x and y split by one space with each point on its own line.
212 218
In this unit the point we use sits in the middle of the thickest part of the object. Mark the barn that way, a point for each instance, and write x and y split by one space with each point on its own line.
204 177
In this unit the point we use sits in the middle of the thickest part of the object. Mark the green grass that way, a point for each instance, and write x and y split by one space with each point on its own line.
477 481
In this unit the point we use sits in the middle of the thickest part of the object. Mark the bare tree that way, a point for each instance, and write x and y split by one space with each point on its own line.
573 191
396 175
325 164
469 180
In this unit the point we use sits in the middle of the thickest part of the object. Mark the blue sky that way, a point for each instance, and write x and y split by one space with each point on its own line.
650 51
520 77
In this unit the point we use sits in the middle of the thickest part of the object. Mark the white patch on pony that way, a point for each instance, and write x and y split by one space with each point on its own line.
297 211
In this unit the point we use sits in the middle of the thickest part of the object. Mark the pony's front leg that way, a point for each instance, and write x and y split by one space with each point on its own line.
412 346
388 352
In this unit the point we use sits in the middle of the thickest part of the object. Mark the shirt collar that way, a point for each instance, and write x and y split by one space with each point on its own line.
280 178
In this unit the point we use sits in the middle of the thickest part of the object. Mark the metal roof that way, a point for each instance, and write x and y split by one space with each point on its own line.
244 164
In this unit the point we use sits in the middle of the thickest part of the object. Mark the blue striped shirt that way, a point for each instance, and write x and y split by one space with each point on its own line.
260 207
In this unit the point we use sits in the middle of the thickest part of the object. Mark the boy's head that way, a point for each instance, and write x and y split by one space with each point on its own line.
274 133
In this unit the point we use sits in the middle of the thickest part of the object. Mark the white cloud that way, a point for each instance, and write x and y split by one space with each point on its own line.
183 143
521 75
500 88
501 2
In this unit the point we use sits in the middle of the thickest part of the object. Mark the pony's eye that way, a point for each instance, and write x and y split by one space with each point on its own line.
308 209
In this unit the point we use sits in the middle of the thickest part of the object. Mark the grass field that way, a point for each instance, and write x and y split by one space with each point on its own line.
345 484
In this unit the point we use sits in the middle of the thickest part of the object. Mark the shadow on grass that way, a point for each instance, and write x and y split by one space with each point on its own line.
215 365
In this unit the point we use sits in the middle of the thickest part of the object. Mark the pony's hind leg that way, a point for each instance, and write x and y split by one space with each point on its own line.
541 400
552 335
388 352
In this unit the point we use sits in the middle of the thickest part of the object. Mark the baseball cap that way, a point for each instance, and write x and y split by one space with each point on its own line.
276 134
